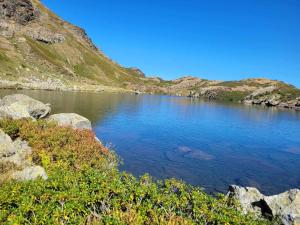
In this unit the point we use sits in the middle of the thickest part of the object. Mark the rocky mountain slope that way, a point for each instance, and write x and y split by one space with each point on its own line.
38 47
38 50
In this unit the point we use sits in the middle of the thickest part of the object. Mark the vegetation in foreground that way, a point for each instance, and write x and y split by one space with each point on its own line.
85 187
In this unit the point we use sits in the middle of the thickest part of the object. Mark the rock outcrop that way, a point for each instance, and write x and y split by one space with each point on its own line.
72 120
20 11
16 153
47 36
30 173
285 206
21 106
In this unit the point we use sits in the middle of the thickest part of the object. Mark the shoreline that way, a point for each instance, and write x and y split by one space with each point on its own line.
91 88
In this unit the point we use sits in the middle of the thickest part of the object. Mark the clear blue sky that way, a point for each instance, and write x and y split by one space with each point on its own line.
214 39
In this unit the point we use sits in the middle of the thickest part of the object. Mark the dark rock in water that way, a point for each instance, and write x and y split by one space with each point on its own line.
286 205
21 11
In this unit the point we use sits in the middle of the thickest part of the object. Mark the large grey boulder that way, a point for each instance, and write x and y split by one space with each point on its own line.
71 120
19 106
285 206
247 197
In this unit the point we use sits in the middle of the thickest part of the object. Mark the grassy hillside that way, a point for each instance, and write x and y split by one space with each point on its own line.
50 47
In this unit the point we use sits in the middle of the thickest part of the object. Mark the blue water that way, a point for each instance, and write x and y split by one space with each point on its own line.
208 144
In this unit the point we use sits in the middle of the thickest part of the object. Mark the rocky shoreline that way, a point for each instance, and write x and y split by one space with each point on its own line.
51 84
285 207
261 96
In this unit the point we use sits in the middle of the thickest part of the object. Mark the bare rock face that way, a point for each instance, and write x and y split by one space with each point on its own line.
286 206
21 106
81 33
20 11
138 71
71 120
264 96
46 36
261 91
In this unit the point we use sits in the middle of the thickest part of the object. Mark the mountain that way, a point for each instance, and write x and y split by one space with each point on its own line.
39 50
38 46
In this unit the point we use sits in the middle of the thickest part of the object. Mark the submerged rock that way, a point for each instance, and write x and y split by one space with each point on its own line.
285 206
21 106
71 119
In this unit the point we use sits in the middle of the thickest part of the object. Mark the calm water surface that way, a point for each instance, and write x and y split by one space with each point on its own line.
203 143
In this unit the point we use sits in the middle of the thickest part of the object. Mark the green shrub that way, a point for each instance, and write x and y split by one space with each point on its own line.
85 187
10 128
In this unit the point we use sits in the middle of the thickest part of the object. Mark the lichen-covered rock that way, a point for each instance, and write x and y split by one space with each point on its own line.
15 152
21 106
285 206
30 173
71 119
248 198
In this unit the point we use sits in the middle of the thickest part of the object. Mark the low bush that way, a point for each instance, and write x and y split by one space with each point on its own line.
85 187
